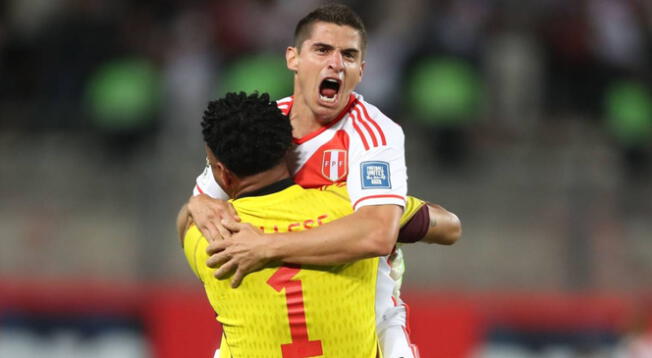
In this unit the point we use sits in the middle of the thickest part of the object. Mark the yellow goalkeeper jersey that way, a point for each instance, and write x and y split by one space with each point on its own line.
294 311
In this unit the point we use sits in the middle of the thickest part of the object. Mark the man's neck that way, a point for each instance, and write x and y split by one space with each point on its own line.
304 120
261 180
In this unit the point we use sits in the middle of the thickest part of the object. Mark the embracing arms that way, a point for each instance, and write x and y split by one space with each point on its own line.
369 232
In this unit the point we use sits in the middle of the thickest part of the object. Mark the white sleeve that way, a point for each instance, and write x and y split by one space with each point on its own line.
378 176
206 184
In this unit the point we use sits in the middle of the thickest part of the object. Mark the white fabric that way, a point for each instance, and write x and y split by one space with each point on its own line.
206 184
394 340
398 269
392 153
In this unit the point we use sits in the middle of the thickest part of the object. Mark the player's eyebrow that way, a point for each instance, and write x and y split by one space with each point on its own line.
324 45
351 51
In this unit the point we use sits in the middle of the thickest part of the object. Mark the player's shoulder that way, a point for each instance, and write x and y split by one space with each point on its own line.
372 126
371 112
285 104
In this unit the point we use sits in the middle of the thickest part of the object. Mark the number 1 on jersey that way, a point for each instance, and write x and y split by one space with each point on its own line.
301 346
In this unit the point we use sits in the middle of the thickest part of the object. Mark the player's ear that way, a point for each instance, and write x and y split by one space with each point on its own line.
362 67
225 176
292 58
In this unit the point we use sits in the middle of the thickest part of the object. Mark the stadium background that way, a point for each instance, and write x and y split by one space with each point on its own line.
530 120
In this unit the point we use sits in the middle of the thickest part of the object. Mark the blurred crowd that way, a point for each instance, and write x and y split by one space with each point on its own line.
134 67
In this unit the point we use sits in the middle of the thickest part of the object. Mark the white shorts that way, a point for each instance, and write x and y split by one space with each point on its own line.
393 336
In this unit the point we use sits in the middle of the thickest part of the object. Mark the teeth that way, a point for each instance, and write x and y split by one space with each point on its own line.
328 99
331 80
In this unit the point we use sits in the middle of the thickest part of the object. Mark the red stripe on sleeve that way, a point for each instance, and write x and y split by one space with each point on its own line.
364 123
376 197
368 117
357 129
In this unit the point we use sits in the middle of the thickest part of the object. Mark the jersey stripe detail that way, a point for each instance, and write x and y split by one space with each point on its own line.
199 189
315 133
366 126
285 105
357 129
376 197
339 117
370 119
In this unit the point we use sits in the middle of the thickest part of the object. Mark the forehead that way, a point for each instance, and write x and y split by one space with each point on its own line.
342 36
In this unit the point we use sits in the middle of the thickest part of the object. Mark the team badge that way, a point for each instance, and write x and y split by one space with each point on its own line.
375 175
334 165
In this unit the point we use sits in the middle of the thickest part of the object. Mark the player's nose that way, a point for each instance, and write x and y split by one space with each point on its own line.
336 61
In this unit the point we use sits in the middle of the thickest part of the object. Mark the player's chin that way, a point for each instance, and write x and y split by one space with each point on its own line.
325 112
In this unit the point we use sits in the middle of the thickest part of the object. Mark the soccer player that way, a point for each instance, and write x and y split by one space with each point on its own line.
339 138
288 311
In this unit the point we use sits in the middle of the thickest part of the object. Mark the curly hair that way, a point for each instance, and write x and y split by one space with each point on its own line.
247 133
338 14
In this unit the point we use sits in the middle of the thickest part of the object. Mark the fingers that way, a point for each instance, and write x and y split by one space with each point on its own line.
224 270
218 259
233 213
223 231
236 280
207 212
210 231
232 225
217 246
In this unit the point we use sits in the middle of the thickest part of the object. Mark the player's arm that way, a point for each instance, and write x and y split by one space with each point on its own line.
432 224
207 206
369 232
183 222
445 228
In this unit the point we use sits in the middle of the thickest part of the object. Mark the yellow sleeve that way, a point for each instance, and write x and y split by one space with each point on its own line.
412 205
194 247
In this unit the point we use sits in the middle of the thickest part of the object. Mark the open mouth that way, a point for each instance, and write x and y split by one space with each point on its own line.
328 89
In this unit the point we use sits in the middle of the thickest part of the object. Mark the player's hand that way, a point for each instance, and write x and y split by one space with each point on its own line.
245 251
207 214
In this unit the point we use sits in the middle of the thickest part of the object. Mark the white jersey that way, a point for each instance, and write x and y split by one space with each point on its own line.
363 148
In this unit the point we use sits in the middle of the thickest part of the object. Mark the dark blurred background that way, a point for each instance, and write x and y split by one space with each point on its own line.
531 120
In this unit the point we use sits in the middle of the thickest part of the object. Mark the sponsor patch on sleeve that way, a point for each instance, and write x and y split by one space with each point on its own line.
375 175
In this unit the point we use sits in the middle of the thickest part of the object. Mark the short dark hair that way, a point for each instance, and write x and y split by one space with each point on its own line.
247 133
338 14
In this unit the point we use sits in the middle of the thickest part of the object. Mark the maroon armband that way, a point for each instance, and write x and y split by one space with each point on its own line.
416 228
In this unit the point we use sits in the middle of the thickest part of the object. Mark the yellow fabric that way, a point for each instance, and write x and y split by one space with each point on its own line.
337 301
